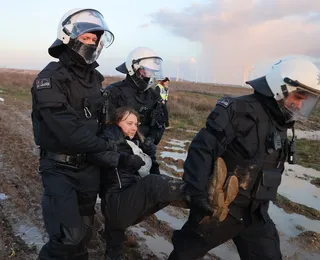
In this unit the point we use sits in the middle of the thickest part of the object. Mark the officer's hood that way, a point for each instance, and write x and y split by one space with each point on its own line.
122 68
56 48
261 86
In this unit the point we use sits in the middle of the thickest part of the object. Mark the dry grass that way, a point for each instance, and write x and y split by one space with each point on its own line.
189 110
189 103
207 88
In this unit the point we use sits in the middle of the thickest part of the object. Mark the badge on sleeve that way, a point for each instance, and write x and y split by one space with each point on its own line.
43 83
225 102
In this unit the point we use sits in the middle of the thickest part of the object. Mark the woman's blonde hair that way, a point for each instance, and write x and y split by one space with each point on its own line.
122 113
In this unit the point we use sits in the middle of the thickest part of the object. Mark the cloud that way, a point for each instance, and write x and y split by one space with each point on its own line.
236 34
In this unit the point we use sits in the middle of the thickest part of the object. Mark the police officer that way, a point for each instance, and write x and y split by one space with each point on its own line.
250 134
163 91
142 68
65 97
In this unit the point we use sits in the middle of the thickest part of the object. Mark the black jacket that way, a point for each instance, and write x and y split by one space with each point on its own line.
65 100
113 177
126 93
240 131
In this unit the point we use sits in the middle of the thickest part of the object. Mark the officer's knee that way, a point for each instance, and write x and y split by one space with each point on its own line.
75 236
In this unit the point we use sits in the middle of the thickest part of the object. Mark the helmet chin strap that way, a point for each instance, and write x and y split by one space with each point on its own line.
288 116
141 82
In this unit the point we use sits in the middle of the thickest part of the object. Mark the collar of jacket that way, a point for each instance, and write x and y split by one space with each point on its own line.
75 62
271 105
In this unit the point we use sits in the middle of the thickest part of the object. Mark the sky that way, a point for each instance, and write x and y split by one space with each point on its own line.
222 41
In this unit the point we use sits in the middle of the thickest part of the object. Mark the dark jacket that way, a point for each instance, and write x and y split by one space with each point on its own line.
65 99
115 177
241 131
126 93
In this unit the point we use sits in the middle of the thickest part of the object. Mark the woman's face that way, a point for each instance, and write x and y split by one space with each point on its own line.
129 125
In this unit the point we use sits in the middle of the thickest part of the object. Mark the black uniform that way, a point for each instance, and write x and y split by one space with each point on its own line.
164 106
126 197
66 96
146 103
249 133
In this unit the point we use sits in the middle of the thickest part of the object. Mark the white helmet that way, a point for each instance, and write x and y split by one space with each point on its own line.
77 22
144 66
295 84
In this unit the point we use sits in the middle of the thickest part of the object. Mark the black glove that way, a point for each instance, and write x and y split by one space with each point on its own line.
198 201
148 146
200 204
155 168
130 163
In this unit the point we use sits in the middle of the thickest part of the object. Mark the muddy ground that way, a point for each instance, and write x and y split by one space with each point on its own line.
21 226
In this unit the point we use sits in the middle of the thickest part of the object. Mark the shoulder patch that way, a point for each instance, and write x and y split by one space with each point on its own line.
225 102
43 83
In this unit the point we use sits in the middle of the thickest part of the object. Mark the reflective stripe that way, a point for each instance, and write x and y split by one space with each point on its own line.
163 92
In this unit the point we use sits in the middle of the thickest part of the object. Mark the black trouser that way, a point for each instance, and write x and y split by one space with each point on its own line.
258 241
68 210
166 113
130 205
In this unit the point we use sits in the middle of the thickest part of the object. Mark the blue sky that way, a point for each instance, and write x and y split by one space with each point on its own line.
221 39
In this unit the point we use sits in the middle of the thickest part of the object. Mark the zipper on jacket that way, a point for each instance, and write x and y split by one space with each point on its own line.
118 178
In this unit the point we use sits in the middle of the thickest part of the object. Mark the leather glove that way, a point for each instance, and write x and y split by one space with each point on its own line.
148 146
130 163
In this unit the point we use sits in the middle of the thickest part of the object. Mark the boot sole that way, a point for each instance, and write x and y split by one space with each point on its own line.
231 192
216 183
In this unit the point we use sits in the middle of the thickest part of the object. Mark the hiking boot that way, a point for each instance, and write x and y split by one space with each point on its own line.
215 187
222 191
230 193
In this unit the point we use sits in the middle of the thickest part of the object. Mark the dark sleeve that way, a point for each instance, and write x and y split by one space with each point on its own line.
155 168
112 101
108 159
156 133
63 121
207 146
157 91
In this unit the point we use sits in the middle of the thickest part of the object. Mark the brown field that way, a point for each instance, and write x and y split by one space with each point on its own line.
189 105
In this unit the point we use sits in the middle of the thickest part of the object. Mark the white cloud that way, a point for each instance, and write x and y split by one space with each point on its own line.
236 34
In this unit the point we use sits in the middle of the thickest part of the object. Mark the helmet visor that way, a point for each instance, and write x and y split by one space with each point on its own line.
299 104
150 67
88 21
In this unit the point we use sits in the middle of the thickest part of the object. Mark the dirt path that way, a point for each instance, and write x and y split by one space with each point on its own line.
21 226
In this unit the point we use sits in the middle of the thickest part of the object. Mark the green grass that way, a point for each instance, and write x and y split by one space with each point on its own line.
308 153
22 93
294 207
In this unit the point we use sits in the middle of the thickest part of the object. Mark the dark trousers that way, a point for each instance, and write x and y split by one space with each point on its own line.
130 205
166 113
257 241
68 210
